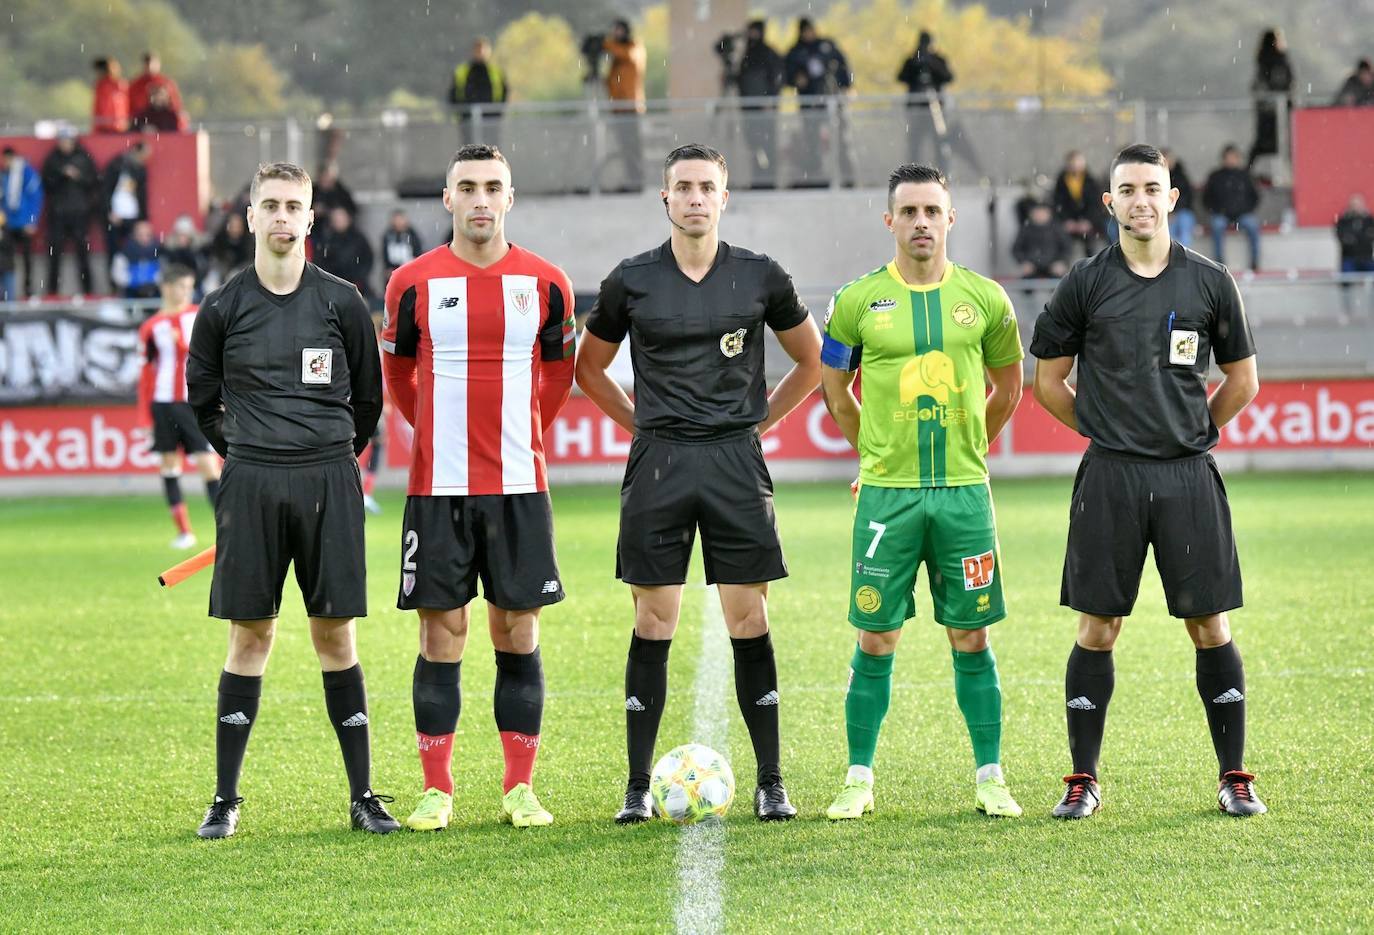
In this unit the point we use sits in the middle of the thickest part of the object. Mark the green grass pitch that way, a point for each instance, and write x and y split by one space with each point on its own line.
107 726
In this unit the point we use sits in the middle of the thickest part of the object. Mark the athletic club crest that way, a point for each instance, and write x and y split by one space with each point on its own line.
408 582
523 300
732 342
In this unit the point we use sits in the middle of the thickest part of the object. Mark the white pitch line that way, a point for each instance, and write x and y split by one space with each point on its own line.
700 908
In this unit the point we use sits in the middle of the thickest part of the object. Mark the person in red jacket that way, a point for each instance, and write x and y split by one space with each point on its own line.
141 88
110 111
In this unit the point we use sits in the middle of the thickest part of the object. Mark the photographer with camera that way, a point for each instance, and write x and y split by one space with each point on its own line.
925 75
818 70
760 75
625 87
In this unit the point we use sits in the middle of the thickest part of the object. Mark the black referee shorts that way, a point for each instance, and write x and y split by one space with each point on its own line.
270 515
721 486
506 540
175 426
1120 505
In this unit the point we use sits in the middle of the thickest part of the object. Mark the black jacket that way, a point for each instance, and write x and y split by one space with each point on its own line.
925 73
125 164
1356 234
68 197
1230 193
346 254
817 67
1041 245
1088 204
760 71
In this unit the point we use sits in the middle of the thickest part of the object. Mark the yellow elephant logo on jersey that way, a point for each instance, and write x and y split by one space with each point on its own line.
929 374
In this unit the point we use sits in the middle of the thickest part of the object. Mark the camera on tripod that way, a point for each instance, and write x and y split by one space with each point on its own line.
593 47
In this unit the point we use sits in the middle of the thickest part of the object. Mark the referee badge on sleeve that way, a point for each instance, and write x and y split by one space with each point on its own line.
317 365
1183 347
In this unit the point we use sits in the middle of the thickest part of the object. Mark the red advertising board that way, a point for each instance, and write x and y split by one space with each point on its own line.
1286 416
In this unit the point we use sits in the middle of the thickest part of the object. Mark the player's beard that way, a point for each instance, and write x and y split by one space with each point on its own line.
481 235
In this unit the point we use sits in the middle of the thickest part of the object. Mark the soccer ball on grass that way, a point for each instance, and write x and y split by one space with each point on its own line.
691 783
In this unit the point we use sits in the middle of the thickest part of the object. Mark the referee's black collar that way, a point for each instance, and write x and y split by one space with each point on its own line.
1177 260
669 259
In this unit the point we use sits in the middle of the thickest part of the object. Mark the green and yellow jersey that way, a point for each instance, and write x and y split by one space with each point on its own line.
922 350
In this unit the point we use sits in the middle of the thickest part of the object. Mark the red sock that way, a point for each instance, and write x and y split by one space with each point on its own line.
436 758
181 518
520 750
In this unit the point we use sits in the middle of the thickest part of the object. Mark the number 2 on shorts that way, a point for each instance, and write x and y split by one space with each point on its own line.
412 544
878 529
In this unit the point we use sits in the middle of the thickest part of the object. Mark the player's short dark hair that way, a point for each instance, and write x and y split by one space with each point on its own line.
694 151
171 272
1138 154
474 152
915 173
286 171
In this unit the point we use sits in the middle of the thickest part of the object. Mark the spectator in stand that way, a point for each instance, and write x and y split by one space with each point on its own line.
136 265
181 247
1358 90
1273 79
479 82
1183 220
925 75
760 82
110 109
818 70
21 198
344 251
625 86
1078 202
159 116
1042 248
7 260
329 193
1355 231
71 185
231 249
124 195
151 78
400 244
1231 197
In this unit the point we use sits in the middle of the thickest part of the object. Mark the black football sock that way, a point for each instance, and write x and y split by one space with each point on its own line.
518 701
1221 683
1088 683
646 689
437 696
756 690
345 698
171 488
212 492
237 710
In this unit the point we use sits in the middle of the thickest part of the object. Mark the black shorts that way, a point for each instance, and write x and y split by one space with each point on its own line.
267 516
1121 504
721 486
175 426
447 543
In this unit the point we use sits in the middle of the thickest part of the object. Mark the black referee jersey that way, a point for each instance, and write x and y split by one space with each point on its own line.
285 374
697 348
1144 347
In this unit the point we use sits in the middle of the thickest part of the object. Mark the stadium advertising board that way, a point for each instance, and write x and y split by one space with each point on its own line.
67 355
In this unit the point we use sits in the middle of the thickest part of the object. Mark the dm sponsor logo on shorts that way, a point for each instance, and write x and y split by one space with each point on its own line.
732 342
882 305
978 571
964 315
868 599
871 571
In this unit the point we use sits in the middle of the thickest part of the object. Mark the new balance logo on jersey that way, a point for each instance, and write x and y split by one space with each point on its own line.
1228 696
550 587
770 698
238 719
357 720
633 704
450 301
1081 703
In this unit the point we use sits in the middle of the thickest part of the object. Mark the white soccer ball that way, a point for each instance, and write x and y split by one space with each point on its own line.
692 782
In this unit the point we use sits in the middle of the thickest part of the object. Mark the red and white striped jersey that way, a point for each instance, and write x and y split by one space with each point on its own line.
163 341
479 361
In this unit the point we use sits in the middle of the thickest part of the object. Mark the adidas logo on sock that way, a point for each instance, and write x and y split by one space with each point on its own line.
1228 696
357 720
1081 703
633 704
770 698
238 719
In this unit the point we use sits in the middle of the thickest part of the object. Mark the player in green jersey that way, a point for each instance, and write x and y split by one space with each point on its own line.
925 331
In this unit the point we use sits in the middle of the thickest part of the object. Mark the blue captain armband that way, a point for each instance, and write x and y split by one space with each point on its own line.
839 355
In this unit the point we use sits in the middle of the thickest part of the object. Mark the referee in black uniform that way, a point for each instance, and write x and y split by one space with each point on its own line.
1144 318
285 379
694 309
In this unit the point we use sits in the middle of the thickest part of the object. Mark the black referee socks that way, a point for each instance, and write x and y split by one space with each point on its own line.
756 690
1221 683
1088 684
646 689
238 709
345 698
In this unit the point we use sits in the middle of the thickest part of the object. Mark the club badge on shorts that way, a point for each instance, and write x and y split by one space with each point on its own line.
1183 347
317 365
732 342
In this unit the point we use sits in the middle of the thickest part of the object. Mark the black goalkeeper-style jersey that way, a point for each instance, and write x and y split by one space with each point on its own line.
283 376
697 348
1144 347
